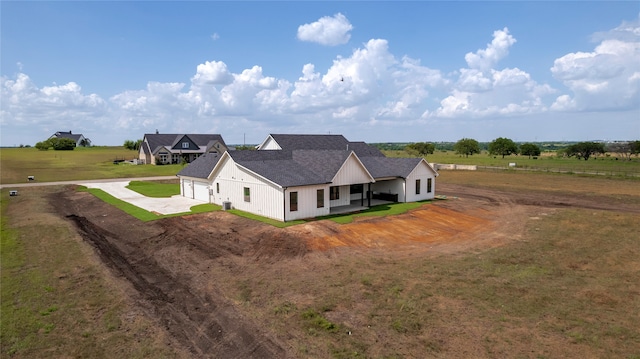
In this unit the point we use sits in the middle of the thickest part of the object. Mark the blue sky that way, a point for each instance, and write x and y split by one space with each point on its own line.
372 71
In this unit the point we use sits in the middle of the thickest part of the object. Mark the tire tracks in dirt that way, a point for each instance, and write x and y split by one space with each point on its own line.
537 199
206 324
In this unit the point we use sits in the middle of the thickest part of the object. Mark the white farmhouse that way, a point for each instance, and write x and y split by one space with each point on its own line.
293 177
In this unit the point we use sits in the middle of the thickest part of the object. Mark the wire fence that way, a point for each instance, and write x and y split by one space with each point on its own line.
609 172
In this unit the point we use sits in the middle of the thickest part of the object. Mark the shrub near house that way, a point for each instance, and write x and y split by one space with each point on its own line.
58 144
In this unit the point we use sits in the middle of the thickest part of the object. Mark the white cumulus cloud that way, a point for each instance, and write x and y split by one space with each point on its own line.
328 30
603 78
485 59
482 91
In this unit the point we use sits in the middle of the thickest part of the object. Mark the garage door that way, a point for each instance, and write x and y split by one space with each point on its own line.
200 191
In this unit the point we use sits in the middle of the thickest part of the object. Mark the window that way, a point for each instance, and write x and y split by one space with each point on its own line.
175 158
217 187
428 185
247 194
320 198
334 193
185 144
163 158
293 201
356 188
417 186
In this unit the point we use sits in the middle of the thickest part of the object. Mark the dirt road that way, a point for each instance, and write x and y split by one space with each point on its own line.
165 265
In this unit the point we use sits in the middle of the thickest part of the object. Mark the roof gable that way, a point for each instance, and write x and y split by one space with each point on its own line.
180 141
269 144
381 167
352 171
170 140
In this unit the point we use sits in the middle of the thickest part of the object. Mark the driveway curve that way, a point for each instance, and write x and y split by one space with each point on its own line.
117 188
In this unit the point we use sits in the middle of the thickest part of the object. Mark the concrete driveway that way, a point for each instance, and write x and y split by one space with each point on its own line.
175 204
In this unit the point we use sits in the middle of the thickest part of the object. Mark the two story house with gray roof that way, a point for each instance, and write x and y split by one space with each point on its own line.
174 148
293 177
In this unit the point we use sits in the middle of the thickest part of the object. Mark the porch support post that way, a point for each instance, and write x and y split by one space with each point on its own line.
369 194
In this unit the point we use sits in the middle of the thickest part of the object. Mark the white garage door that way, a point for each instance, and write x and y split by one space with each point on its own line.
200 191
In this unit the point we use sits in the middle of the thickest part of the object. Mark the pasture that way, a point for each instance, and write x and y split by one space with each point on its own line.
83 163
607 165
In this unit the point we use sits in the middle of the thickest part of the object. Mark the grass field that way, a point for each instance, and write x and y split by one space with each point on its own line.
55 300
97 163
602 165
80 164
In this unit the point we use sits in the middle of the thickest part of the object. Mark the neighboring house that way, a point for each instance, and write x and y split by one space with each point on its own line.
78 138
293 177
174 148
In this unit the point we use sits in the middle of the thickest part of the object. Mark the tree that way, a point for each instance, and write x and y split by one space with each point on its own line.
624 149
635 147
467 146
585 149
529 149
422 148
503 146
132 145
43 145
62 144
85 142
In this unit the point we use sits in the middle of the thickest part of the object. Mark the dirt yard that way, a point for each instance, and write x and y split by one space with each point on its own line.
172 269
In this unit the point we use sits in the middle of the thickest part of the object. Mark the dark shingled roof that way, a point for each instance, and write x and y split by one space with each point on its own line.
317 163
166 139
311 142
63 134
201 167
381 167
324 142
285 168
292 168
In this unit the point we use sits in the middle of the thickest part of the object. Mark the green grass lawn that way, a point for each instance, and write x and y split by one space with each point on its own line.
545 162
154 189
143 214
80 164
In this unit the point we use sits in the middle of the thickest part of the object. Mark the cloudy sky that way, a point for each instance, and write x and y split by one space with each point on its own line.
372 71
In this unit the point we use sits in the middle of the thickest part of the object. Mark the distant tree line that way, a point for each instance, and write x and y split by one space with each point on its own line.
506 147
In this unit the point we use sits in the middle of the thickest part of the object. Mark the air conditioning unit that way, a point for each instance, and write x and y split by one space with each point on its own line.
226 205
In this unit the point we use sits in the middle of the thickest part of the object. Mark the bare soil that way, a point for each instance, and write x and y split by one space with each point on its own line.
165 266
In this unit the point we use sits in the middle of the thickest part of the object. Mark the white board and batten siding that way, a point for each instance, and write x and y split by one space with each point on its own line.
265 198
307 202
424 173
351 172
270 144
